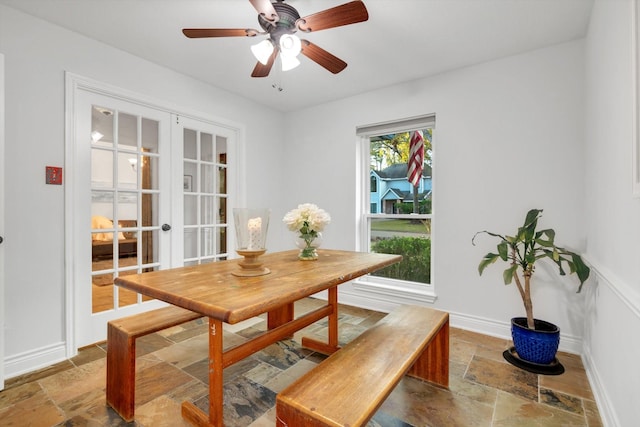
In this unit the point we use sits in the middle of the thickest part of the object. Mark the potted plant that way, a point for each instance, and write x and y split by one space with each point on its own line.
535 340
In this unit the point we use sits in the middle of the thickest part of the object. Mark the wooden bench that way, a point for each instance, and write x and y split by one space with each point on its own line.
347 388
121 352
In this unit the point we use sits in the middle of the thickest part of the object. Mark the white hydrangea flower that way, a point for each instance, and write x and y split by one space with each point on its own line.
307 218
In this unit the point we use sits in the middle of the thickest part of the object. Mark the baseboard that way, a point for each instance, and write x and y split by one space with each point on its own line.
35 359
385 303
568 343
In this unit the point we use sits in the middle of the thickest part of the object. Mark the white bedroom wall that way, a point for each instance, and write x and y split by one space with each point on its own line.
509 137
612 216
37 55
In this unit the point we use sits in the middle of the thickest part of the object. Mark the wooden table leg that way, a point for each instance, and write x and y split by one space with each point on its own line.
189 411
280 316
332 345
215 372
333 318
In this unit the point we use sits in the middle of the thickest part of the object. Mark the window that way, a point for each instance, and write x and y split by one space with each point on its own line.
396 214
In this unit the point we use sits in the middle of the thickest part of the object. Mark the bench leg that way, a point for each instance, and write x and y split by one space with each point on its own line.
433 364
121 366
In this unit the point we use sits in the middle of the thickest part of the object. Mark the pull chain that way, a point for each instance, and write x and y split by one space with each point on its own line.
278 84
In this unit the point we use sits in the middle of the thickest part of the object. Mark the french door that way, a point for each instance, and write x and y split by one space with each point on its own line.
147 188
122 192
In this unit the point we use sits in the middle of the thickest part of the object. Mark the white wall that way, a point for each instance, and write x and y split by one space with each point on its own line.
612 347
508 137
37 55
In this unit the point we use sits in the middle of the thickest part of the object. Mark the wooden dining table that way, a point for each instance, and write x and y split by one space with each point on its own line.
214 291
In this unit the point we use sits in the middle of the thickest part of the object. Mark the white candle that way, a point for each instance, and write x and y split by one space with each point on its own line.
255 231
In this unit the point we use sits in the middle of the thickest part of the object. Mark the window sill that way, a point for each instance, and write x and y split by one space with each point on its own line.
395 290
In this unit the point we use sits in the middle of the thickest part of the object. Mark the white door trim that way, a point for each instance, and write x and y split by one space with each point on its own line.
2 215
73 84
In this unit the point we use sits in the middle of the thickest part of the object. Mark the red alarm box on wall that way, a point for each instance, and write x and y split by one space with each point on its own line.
54 175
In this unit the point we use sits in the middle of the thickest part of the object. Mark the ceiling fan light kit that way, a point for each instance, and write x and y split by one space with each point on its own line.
290 45
262 51
289 62
280 21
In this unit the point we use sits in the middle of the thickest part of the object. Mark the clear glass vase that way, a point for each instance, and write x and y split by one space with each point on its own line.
308 246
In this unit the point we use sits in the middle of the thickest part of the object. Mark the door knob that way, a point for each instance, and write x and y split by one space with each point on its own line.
166 227
1 239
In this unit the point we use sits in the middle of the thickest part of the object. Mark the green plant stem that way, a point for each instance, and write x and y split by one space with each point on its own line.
525 293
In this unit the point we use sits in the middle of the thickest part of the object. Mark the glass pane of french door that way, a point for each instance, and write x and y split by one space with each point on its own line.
204 194
125 196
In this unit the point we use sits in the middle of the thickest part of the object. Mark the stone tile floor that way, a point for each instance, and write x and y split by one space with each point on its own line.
171 367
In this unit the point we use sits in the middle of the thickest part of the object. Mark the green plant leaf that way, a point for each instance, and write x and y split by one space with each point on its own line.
530 257
532 217
507 275
555 257
548 242
582 270
473 240
528 233
488 259
503 250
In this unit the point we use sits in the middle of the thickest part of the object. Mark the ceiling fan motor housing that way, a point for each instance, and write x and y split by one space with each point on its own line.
286 23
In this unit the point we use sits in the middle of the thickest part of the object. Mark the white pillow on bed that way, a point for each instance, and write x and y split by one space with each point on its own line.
100 222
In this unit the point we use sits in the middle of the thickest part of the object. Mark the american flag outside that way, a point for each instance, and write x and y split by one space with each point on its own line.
416 158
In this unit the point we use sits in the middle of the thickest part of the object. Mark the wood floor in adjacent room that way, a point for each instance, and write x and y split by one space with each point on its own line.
172 367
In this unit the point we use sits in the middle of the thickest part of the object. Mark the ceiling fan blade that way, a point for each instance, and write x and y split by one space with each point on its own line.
348 13
262 70
322 57
195 33
266 9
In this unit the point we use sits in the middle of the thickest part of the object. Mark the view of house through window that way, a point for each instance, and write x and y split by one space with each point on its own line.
400 195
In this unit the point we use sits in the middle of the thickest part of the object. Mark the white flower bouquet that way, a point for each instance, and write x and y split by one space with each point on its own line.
308 220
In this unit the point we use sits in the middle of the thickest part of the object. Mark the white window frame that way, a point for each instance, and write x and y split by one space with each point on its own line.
382 288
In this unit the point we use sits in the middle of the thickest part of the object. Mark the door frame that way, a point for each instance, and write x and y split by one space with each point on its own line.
75 83
2 216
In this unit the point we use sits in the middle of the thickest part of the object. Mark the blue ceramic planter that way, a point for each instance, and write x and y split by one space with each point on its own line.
537 346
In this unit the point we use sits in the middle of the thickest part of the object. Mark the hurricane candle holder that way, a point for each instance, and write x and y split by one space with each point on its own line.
251 236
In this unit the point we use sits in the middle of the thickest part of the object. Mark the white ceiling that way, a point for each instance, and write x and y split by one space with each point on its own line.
403 40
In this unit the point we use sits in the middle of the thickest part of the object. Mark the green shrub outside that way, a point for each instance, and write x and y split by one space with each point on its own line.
416 258
424 207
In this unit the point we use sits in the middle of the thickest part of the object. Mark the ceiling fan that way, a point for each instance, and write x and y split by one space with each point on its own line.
280 22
